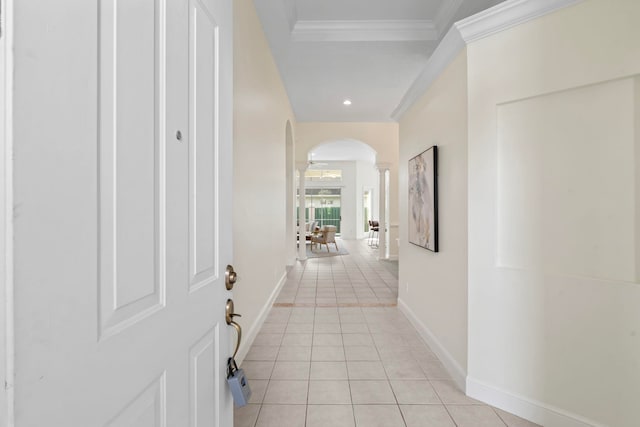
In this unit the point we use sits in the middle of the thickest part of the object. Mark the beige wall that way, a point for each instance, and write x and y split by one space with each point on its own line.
433 286
382 137
553 197
261 113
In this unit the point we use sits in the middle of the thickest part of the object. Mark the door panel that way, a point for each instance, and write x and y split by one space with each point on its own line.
131 162
204 378
147 409
122 322
203 114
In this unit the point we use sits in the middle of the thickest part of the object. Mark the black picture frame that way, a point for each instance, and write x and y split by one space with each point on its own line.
423 199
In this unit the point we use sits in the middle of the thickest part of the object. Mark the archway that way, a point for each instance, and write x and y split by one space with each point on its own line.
343 180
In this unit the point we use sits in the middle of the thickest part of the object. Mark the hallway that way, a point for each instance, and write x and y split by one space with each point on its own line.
336 351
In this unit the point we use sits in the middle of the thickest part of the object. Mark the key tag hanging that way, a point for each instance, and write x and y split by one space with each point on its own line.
238 383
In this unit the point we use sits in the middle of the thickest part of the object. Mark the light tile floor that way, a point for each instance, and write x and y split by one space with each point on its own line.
336 351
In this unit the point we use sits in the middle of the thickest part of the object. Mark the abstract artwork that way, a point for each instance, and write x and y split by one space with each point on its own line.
423 199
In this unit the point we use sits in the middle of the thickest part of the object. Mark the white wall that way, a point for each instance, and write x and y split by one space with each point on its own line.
553 216
261 113
433 286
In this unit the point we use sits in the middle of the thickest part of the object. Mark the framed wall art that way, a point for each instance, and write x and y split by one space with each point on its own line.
423 199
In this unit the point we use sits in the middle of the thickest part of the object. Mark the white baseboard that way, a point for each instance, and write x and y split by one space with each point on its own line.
393 257
251 334
534 411
454 369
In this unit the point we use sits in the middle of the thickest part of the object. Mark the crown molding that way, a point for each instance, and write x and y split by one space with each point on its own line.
491 21
446 13
374 30
506 15
450 46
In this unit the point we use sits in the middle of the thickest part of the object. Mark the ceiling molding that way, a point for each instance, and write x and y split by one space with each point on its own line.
356 31
506 15
491 21
446 13
450 46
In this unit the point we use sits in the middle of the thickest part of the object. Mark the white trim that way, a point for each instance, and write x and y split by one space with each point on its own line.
6 215
506 15
446 13
491 21
374 30
252 332
529 409
454 369
448 49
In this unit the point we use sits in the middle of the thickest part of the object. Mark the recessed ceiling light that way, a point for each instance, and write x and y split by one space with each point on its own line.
347 102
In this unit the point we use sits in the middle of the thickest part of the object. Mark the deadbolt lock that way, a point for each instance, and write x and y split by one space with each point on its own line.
230 277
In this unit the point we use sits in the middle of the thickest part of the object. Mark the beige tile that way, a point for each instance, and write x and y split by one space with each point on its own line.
286 392
403 370
328 354
327 301
297 339
366 370
388 340
378 416
299 328
330 415
262 352
372 392
269 338
361 352
258 390
355 328
291 370
450 394
295 353
426 415
327 339
245 416
396 354
328 370
272 328
423 354
357 339
414 392
352 318
512 420
474 416
327 318
257 370
278 315
327 328
273 416
435 370
302 317
329 392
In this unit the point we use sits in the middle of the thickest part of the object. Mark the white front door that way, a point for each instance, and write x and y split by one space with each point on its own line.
123 213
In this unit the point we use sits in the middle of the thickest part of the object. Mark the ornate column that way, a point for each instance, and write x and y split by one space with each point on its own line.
302 249
382 209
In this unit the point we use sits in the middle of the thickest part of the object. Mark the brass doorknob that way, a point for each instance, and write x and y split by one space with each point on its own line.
230 277
229 315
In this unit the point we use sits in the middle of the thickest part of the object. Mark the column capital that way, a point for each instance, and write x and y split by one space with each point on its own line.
383 166
302 166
